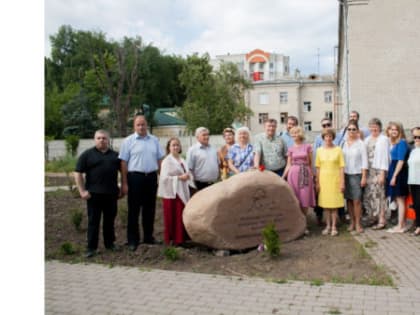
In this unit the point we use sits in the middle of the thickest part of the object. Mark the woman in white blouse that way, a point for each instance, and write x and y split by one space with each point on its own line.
374 199
414 176
173 188
355 173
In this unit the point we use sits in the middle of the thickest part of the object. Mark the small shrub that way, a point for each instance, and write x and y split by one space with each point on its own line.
271 240
67 249
76 218
171 253
72 143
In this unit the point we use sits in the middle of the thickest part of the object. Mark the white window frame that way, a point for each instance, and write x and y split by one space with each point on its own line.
284 97
329 114
283 117
327 96
307 106
263 99
307 125
262 117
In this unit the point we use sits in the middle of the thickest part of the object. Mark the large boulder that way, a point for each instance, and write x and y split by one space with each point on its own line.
232 214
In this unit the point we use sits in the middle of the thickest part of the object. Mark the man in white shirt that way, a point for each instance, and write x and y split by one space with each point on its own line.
202 160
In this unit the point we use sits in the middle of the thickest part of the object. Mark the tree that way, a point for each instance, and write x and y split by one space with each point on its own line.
117 74
78 117
214 99
54 101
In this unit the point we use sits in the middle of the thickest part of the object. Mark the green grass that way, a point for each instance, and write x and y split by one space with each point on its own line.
316 282
361 252
64 164
278 281
334 310
370 244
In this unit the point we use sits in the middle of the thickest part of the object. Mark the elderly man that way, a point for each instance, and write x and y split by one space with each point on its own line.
140 157
202 160
291 122
270 149
100 164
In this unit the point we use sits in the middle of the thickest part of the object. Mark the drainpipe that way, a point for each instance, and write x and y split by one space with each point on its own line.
346 27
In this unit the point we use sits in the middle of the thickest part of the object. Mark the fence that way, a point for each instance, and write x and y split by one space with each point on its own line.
57 148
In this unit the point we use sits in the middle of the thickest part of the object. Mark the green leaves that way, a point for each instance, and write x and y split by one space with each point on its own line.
214 99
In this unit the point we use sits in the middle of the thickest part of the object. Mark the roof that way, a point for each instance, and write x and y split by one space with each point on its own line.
167 117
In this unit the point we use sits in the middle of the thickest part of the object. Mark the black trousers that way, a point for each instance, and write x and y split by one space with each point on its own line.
96 205
142 189
202 185
415 193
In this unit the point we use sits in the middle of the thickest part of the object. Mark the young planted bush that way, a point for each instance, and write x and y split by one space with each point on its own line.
76 218
171 253
271 240
67 249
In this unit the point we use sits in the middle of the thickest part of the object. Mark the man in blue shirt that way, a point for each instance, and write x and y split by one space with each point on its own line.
291 122
140 156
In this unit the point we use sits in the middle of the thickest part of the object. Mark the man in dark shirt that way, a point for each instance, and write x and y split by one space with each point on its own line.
100 189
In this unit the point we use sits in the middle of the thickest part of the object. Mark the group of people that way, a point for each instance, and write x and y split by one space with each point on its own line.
358 166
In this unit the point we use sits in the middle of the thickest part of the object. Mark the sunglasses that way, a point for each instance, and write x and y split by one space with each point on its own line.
351 129
416 137
326 125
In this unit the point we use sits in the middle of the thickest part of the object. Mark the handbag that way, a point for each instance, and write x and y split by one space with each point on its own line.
410 213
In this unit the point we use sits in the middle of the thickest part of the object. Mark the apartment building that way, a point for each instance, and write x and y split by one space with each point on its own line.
277 94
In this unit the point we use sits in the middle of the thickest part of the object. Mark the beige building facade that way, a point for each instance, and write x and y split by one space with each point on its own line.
277 94
379 60
309 99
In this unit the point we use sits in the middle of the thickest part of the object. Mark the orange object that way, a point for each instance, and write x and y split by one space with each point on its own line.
410 213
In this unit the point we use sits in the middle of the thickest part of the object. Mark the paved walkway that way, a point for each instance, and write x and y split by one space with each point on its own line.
96 289
399 253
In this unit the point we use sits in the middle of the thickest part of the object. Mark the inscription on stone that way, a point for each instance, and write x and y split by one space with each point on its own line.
232 214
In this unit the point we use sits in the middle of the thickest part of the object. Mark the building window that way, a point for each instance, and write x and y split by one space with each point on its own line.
263 98
328 96
329 115
306 106
283 97
307 125
283 117
262 117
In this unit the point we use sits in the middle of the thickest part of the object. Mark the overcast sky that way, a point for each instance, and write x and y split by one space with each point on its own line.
296 28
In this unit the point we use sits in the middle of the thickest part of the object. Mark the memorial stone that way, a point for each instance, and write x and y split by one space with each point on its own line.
232 214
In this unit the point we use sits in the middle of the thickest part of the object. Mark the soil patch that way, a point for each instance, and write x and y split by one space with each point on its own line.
314 258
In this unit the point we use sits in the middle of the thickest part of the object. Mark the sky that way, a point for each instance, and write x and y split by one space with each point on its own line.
304 30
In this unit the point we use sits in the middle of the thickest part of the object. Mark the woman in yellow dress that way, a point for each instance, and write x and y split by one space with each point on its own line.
330 180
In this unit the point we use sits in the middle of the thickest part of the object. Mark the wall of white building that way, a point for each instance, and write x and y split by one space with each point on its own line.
384 60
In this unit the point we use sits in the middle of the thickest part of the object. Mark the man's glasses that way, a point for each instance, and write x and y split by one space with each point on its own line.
351 129
416 137
326 125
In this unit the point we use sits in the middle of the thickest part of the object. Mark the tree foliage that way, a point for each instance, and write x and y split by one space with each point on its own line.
214 99
114 76
93 82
